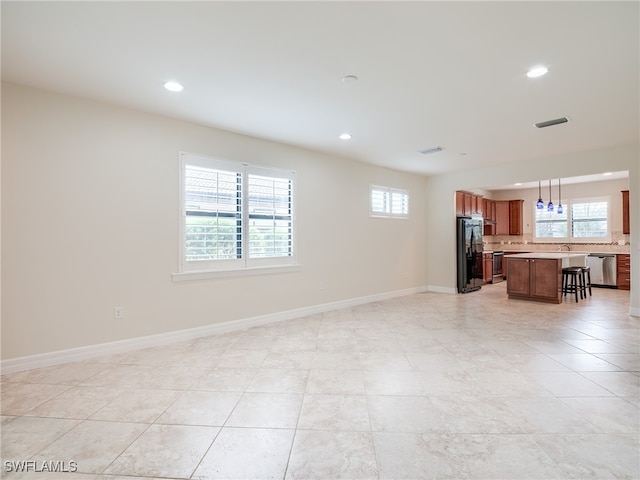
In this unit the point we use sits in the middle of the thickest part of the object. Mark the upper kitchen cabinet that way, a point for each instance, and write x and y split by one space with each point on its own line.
509 217
468 204
489 210
489 214
626 229
515 217
502 217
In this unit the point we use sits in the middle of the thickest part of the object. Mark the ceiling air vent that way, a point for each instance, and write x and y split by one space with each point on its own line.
428 151
550 123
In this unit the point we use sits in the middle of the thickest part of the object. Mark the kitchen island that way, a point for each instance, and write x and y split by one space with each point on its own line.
537 276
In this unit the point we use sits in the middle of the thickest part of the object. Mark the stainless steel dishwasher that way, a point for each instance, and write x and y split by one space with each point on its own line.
603 269
497 267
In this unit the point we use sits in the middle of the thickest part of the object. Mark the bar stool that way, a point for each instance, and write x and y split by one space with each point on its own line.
572 281
586 280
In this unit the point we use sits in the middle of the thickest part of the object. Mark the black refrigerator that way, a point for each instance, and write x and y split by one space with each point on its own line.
469 254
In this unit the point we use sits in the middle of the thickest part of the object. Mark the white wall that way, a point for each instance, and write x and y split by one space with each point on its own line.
90 221
441 193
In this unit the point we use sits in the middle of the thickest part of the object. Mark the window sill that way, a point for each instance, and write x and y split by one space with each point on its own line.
244 272
392 217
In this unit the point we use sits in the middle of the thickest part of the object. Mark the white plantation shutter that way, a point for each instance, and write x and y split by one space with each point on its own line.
213 202
233 213
380 201
389 202
270 213
399 203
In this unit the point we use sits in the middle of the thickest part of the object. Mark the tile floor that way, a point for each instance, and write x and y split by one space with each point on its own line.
425 386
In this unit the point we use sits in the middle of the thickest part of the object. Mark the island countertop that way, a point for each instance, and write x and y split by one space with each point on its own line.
553 255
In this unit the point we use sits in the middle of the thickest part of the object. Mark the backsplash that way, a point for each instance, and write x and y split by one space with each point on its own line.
619 244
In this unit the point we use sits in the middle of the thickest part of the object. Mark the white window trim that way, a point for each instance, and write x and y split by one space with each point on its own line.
234 267
567 204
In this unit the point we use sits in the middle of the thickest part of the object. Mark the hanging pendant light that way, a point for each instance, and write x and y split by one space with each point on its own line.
559 209
540 204
550 204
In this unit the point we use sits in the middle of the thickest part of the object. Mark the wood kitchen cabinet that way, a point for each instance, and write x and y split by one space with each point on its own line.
504 262
487 267
460 203
489 214
623 271
478 204
538 279
508 217
626 227
502 217
468 204
515 217
489 210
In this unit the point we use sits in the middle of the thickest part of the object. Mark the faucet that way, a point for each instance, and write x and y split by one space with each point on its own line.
566 245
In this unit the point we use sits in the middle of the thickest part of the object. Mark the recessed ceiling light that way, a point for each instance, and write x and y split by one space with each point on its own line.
537 72
345 136
607 173
518 184
349 78
173 86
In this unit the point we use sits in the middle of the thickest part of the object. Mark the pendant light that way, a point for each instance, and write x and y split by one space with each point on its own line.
540 204
559 209
550 204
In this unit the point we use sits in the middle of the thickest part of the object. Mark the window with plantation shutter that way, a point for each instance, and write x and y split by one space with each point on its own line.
380 201
213 213
399 203
235 216
270 216
389 202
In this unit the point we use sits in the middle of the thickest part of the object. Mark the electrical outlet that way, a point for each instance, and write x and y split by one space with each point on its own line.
118 313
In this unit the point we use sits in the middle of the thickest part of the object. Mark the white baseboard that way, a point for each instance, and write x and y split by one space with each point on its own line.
49 359
634 312
439 289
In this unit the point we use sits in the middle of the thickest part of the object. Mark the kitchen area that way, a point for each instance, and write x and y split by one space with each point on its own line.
582 221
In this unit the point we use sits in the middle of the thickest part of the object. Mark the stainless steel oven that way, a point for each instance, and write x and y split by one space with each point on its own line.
498 257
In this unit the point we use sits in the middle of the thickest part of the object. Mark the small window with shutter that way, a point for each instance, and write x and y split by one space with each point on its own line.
389 202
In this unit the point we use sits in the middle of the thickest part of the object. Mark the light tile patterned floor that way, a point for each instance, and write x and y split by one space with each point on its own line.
425 386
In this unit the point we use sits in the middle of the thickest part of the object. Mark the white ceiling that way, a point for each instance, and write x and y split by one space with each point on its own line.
430 73
601 177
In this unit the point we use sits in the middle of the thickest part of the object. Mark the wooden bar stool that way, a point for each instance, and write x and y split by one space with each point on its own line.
586 280
572 281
